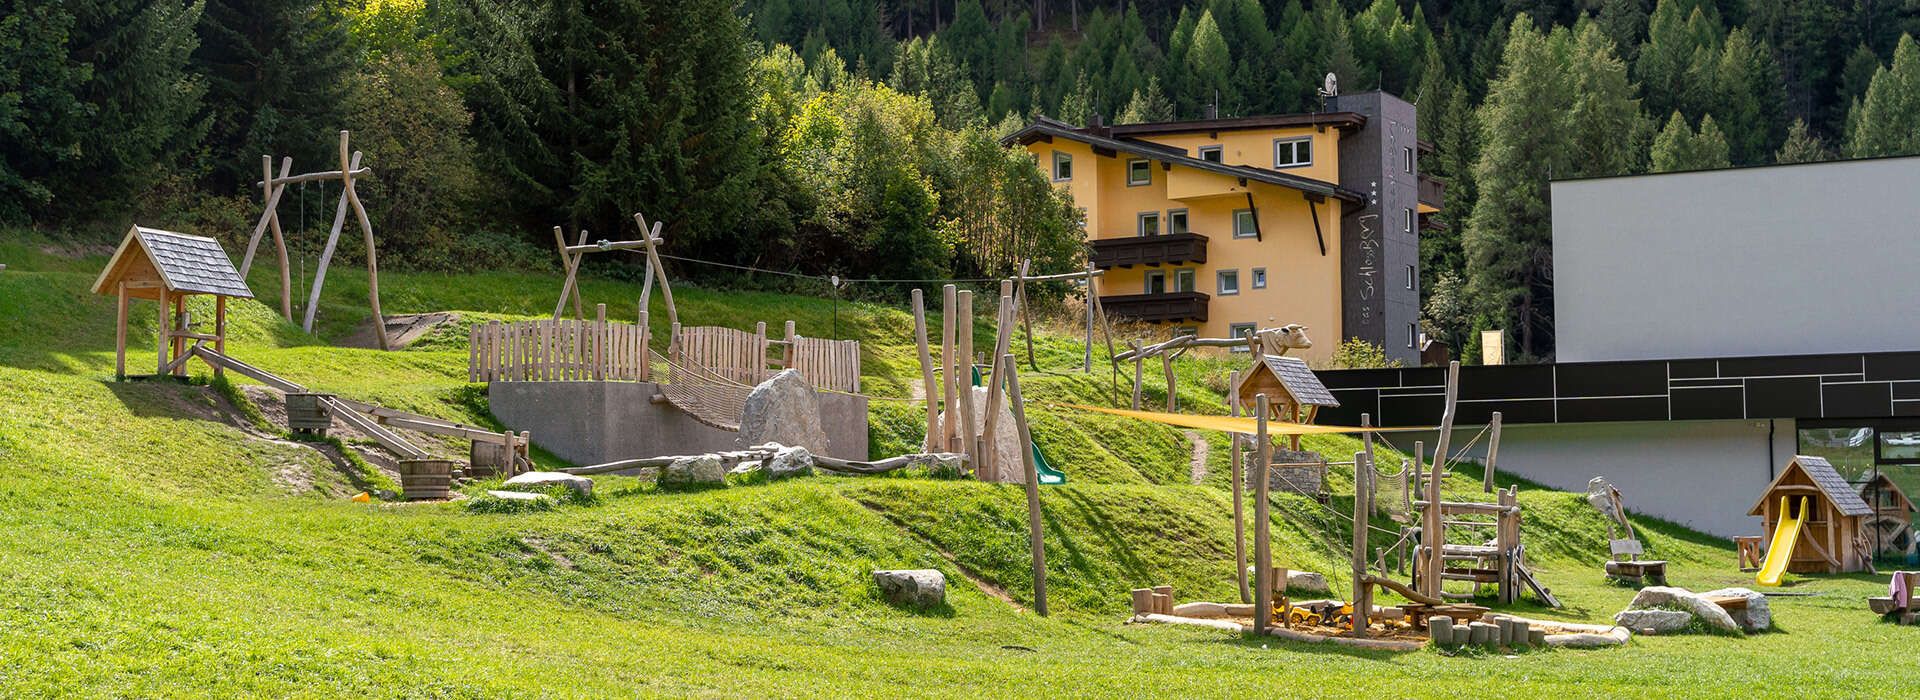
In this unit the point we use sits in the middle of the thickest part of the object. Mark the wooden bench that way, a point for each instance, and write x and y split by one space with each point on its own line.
1626 567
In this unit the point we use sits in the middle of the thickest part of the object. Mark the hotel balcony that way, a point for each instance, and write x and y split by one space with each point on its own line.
1152 251
1174 307
1433 194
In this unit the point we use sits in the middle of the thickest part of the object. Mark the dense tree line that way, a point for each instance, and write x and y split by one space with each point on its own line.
859 137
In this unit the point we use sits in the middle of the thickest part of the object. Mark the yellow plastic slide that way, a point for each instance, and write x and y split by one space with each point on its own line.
1785 535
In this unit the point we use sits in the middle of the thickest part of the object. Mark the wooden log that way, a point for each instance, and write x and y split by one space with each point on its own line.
1026 319
1238 461
1262 554
1166 369
326 257
607 246
950 401
373 261
653 260
219 330
271 196
1086 361
996 387
1363 472
183 322
963 329
120 332
160 366
570 264
1440 629
1433 532
1142 601
315 177
1034 541
1057 277
1163 599
1106 331
1137 369
933 441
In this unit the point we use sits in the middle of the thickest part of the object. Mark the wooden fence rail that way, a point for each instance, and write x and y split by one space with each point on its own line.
598 350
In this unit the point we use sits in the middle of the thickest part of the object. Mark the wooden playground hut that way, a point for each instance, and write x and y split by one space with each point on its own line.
167 267
1891 525
1294 393
1833 538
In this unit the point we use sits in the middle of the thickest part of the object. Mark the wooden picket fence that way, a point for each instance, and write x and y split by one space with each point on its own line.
595 350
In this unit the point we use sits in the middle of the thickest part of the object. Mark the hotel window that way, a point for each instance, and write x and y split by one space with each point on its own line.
1244 225
1406 155
1149 223
1241 331
1183 280
1410 277
1139 172
1176 221
1293 152
1062 166
1413 334
1259 278
1228 283
1156 282
1210 154
1408 224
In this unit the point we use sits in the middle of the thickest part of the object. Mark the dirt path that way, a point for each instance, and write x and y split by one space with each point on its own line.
1201 451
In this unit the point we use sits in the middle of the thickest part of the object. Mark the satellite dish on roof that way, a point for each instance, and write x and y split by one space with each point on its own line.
1330 87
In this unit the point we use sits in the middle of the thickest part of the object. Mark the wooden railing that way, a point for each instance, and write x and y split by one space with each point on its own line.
596 350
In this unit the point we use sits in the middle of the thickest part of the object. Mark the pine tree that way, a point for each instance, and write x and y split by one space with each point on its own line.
276 81
1624 21
1679 148
1887 120
1802 146
1211 65
1603 123
1147 105
1747 97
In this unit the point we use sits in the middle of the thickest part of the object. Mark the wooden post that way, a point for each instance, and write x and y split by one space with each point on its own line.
1493 453
949 405
270 193
926 368
183 320
1506 535
1433 532
120 333
326 257
220 331
1034 541
570 264
1414 483
1363 474
1086 363
1026 319
1002 344
165 339
1234 443
653 261
366 229
1136 373
963 327
1262 554
1166 368
600 342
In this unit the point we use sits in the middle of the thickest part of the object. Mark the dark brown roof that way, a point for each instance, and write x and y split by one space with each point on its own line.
1300 381
1830 482
1044 128
1341 120
190 264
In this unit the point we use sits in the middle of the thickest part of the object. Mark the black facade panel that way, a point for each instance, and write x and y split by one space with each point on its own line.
1411 410
1792 397
1508 382
1906 408
1709 404
1359 378
1906 390
1789 365
1598 410
1693 369
1612 379
1893 365
1479 412
1856 400
1425 376
1353 402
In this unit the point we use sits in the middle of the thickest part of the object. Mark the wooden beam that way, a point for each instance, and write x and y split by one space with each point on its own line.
356 171
1026 319
1262 553
653 260
963 329
1035 543
120 333
1433 532
272 199
926 368
1238 461
220 330
160 364
326 257
1363 473
373 258
996 385
1493 453
950 402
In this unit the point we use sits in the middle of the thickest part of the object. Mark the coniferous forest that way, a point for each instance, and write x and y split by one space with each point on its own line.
861 137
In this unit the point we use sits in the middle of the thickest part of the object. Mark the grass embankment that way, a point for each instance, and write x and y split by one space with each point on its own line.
155 548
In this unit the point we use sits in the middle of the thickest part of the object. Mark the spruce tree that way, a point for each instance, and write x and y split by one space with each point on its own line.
1211 65
1147 105
1887 120
275 73
1802 146
1747 97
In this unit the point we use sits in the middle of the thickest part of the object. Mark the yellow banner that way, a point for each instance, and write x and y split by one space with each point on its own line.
1245 426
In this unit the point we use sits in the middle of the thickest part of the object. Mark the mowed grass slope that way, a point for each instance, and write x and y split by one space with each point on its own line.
155 548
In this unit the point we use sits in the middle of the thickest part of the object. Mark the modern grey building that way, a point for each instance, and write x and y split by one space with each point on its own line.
1710 325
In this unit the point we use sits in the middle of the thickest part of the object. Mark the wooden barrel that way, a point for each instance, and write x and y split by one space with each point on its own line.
422 479
306 414
486 458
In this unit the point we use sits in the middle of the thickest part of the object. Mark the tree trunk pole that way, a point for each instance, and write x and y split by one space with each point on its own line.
1035 543
1262 553
926 368
1234 443
1493 454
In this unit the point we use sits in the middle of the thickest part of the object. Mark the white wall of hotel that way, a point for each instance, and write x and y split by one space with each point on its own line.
1779 260
1701 474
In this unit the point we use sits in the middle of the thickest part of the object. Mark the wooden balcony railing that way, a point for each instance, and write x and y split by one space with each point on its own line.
1152 251
1156 308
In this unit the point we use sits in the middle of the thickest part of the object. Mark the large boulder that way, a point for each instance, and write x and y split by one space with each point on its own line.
912 588
694 470
790 461
1654 597
539 480
782 409
1659 621
1006 447
1307 582
1756 617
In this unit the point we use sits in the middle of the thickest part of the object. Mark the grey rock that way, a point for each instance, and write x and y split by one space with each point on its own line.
790 461
1307 581
914 588
1668 596
782 409
697 469
1006 448
1756 618
519 496
1660 621
580 484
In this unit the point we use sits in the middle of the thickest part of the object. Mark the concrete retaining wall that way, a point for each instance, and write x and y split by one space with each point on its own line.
595 422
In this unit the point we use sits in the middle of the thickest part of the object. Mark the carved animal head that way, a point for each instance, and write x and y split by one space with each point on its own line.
1277 341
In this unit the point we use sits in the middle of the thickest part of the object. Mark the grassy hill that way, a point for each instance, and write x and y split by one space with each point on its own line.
160 543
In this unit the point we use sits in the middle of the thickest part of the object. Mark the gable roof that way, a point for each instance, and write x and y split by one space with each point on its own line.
1884 484
1049 128
1296 377
1340 120
188 264
1830 482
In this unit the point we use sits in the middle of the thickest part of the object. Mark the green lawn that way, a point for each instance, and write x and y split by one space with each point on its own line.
157 548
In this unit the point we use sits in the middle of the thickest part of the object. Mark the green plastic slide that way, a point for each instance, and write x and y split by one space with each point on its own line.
1048 475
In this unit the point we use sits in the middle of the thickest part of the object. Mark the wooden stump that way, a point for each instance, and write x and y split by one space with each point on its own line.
307 414
422 479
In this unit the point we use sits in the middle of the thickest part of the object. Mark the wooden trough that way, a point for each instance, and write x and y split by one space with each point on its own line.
424 479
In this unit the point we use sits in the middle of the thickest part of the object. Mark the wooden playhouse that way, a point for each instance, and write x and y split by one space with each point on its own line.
1890 528
1833 535
167 267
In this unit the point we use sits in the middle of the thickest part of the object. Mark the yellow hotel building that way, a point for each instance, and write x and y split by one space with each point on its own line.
1221 226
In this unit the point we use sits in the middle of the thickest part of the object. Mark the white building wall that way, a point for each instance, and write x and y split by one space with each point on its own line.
1782 260
1702 474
